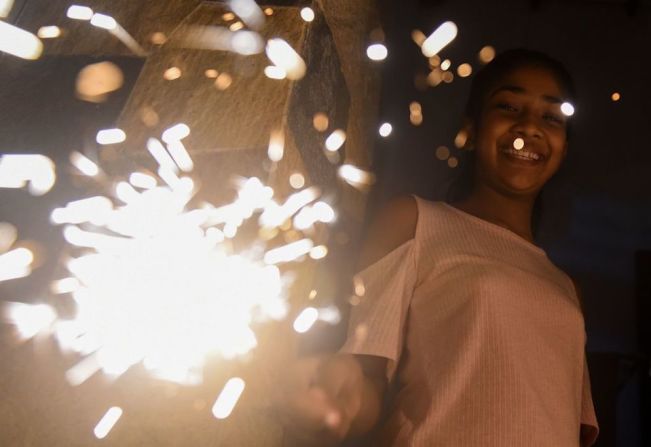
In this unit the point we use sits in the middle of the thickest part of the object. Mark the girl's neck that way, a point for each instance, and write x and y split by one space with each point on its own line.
512 213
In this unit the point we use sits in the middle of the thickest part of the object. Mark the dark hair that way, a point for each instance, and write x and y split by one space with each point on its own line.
483 82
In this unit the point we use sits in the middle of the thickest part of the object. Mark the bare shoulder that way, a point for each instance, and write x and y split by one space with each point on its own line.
392 226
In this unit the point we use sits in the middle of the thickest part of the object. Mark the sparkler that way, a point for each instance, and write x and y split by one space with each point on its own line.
155 281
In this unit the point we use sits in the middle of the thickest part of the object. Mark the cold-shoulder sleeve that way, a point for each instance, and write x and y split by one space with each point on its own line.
376 325
589 425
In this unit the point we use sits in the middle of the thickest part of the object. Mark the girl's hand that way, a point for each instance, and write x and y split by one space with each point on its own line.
319 398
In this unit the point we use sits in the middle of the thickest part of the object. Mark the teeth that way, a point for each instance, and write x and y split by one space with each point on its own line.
523 154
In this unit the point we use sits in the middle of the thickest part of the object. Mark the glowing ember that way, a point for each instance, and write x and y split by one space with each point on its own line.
273 72
486 54
283 55
103 21
110 136
48 32
34 170
172 73
567 109
335 140
96 81
385 129
19 43
307 14
464 70
615 96
228 398
108 421
5 7
321 122
79 12
518 144
306 320
439 39
85 165
377 52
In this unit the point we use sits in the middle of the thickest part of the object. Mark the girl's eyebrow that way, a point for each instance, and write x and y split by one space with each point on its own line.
519 90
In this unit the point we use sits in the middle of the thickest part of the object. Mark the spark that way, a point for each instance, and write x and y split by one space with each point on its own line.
236 26
157 150
336 139
567 109
461 139
223 81
249 12
235 39
453 162
110 136
48 32
276 145
268 12
65 285
306 319
5 7
180 155
158 38
355 176
385 129
211 73
307 14
34 170
108 421
464 70
228 398
486 54
518 144
141 180
103 21
16 263
283 55
445 64
8 235
77 12
94 210
377 52
319 252
19 43
442 153
112 26
95 81
289 252
439 39
175 133
273 72
615 96
33 318
172 73
85 165
321 121
297 180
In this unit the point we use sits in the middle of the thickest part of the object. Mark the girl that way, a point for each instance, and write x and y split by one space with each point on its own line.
467 334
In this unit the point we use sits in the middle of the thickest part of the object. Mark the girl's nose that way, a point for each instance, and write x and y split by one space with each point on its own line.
527 126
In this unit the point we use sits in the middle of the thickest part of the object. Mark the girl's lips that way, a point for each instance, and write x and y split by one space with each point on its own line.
525 155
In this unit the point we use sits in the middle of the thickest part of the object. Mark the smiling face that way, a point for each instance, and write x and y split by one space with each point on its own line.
520 136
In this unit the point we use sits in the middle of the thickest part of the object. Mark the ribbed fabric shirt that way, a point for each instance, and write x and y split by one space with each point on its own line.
484 335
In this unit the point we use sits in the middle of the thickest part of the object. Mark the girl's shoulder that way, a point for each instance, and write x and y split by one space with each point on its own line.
391 227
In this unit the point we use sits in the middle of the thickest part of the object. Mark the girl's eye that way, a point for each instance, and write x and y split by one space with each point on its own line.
507 107
553 118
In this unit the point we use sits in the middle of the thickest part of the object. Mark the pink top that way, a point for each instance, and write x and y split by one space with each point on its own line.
484 335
